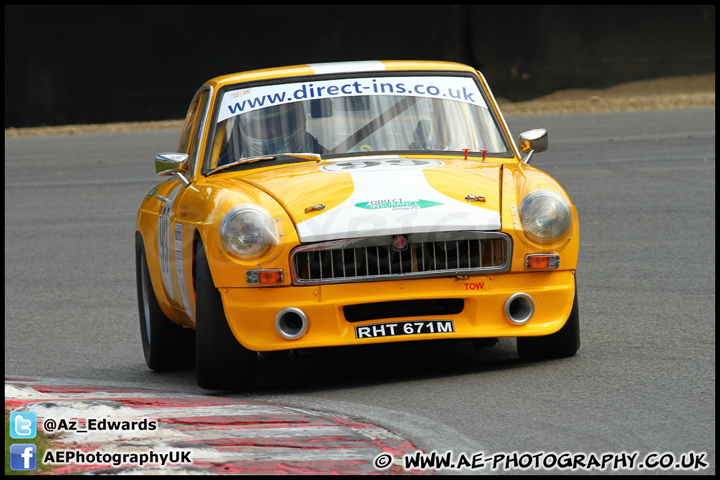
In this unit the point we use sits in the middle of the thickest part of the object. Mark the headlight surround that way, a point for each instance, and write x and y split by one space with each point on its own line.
248 232
545 215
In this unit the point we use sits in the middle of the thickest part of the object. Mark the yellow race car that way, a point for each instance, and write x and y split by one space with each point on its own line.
346 204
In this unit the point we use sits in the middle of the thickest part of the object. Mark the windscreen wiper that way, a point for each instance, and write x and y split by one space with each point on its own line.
262 158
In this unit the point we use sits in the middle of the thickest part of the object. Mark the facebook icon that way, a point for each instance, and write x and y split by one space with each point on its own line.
23 456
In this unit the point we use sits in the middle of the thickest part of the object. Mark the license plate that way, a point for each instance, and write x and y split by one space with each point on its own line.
404 328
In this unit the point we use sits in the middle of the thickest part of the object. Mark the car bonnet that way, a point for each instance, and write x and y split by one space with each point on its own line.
362 197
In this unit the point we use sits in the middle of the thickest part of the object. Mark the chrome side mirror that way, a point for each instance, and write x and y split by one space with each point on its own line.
169 164
533 141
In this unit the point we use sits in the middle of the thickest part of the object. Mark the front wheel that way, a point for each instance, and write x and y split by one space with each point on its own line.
166 345
222 363
563 343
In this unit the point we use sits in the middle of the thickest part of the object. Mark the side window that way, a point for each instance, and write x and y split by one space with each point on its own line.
189 140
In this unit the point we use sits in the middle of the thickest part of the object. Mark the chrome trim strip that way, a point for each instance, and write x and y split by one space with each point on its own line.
203 134
501 117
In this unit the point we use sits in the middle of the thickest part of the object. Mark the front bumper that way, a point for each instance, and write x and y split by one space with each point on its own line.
251 312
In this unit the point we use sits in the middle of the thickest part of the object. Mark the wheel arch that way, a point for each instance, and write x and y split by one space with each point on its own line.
155 280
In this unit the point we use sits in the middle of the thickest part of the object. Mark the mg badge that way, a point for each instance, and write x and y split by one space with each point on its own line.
400 243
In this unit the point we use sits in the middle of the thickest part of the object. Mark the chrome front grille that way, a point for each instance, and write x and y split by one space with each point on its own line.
385 257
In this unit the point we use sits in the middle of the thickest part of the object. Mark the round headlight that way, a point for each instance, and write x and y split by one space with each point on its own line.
248 231
545 215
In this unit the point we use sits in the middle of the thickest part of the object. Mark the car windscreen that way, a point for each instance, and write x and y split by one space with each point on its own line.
389 114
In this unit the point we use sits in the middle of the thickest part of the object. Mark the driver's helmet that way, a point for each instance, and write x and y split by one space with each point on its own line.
271 130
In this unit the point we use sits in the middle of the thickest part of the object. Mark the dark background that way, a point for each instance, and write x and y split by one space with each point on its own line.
100 64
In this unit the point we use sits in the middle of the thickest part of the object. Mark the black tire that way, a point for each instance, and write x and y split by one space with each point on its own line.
166 345
563 343
222 363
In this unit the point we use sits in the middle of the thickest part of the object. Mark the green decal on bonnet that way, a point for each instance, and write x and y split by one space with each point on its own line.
396 203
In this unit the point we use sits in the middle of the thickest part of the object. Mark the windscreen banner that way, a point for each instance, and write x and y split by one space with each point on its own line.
460 89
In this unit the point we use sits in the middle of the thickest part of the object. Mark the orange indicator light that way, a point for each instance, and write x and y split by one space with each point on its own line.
270 277
264 277
542 261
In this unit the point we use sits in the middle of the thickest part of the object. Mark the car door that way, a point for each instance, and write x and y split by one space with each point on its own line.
175 228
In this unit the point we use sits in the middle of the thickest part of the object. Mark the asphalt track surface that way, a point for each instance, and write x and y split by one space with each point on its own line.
643 381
